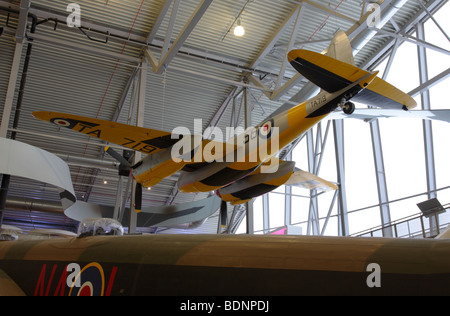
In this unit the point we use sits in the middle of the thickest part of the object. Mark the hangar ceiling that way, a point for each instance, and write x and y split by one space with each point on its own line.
196 68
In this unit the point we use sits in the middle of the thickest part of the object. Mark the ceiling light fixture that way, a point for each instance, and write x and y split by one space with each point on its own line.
239 29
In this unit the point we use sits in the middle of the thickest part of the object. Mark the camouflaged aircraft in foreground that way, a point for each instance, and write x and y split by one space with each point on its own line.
225 265
242 178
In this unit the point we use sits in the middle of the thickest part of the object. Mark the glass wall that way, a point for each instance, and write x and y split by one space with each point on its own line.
403 152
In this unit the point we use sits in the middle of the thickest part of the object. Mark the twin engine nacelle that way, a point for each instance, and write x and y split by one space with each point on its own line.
157 166
258 183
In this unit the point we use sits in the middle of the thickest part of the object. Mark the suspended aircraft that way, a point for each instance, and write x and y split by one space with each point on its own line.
246 165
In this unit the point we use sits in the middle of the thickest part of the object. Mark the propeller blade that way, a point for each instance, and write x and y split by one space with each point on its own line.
223 214
138 198
117 156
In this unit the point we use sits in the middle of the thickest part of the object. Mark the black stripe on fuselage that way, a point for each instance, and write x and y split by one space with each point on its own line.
163 141
254 191
226 176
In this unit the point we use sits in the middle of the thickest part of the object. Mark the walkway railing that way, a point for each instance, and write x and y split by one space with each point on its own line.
415 226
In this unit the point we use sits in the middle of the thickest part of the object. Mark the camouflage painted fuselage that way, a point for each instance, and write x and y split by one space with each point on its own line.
226 265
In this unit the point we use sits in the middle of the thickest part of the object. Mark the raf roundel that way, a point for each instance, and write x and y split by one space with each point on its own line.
61 122
265 130
92 281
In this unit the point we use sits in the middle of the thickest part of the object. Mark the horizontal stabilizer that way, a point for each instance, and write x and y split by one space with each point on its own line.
310 181
333 75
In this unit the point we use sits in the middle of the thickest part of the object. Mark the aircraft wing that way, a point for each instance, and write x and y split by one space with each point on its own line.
145 140
167 215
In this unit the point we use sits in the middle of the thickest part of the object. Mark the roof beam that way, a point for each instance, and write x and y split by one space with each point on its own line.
173 17
159 20
166 58
414 40
269 46
115 57
276 93
14 72
298 18
318 7
430 83
86 24
23 20
218 79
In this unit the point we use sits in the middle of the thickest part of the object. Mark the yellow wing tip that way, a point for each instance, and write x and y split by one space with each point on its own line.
39 114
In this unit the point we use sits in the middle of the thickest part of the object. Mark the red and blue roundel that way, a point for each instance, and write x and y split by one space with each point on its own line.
62 122
92 281
69 123
265 130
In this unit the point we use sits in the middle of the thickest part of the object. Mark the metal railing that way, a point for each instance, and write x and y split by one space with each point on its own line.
414 226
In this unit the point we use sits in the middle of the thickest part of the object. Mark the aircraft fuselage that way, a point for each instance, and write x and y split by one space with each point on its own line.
250 265
284 129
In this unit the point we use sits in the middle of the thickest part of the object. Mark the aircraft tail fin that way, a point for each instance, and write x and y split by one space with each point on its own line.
341 49
336 70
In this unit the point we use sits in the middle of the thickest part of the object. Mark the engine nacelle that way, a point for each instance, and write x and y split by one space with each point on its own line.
257 184
155 167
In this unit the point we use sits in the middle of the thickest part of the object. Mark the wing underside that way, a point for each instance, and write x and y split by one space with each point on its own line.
145 140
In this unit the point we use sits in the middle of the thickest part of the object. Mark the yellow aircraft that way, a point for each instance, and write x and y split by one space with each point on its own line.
245 166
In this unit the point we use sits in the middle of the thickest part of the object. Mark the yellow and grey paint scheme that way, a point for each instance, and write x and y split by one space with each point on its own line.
340 82
226 265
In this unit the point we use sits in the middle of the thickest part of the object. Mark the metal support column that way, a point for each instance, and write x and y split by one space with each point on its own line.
7 108
338 128
427 125
119 198
14 73
288 198
140 123
381 179
383 198
313 217
266 212
248 123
